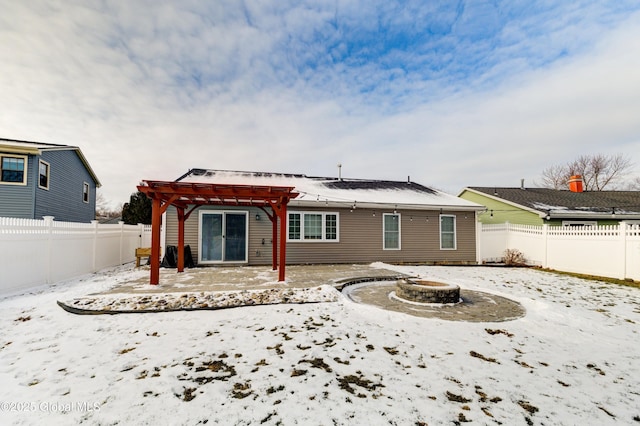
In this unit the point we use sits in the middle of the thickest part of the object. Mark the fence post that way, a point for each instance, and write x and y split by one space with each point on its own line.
140 232
94 259
479 228
508 238
48 223
121 223
545 239
622 229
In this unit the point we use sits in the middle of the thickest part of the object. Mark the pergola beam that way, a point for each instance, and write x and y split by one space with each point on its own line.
183 194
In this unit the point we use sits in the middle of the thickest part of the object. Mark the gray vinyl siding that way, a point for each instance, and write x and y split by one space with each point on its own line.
360 238
17 200
63 199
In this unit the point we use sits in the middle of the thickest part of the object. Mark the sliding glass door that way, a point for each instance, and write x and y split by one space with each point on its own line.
223 237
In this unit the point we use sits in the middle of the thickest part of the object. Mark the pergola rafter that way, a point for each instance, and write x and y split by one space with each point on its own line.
187 197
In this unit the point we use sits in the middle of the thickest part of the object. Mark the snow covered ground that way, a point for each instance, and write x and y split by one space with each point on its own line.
573 359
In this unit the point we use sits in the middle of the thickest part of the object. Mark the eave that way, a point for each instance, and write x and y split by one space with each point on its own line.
383 206
540 213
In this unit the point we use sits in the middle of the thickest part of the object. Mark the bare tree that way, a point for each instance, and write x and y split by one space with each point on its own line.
104 210
598 172
555 177
634 185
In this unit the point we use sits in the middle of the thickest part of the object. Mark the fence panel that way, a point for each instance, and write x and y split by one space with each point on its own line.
632 251
592 251
36 252
493 241
70 250
23 252
529 239
608 251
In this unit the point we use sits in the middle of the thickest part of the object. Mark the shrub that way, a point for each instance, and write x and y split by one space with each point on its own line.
513 257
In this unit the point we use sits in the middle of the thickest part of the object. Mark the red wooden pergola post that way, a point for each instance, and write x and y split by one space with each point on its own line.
185 194
274 240
156 222
181 220
283 240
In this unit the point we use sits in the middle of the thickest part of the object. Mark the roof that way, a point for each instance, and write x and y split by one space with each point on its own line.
36 148
566 204
339 192
184 193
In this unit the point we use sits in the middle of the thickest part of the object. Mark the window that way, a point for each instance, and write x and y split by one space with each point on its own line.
391 231
579 223
331 226
85 192
447 232
294 226
43 174
13 169
313 226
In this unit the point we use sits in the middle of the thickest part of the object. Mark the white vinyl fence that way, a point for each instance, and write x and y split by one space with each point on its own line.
607 251
35 252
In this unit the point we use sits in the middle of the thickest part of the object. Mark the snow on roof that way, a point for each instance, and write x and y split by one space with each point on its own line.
337 192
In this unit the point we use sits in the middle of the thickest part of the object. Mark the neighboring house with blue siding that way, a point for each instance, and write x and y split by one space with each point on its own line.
41 179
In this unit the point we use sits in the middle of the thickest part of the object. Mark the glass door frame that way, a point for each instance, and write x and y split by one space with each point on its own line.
223 213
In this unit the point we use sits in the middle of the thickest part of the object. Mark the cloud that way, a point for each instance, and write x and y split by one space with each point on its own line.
583 104
471 93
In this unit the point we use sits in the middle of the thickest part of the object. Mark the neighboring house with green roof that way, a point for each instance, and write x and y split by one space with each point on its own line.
538 206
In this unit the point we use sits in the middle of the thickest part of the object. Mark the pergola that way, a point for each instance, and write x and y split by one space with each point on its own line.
187 197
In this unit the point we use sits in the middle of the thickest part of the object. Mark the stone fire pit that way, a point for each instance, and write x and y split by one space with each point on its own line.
425 291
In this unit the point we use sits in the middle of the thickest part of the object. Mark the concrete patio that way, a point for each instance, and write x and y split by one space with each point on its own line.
226 278
221 287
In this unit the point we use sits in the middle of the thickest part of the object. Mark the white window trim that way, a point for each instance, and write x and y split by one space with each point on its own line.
223 213
48 174
455 231
324 227
579 223
26 172
384 247
86 185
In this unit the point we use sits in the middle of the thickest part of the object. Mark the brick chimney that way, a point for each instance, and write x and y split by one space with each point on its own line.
575 184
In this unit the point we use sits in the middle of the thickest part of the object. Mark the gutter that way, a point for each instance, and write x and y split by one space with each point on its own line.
381 205
593 216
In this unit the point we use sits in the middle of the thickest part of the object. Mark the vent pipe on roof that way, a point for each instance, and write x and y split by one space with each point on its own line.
339 171
521 183
408 179
575 183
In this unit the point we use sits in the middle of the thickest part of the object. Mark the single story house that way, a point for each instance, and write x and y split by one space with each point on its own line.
328 220
570 207
40 179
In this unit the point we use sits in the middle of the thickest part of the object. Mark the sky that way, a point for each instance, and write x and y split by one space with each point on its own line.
453 94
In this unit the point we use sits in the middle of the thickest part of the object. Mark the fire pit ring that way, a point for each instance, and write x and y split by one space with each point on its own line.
425 291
